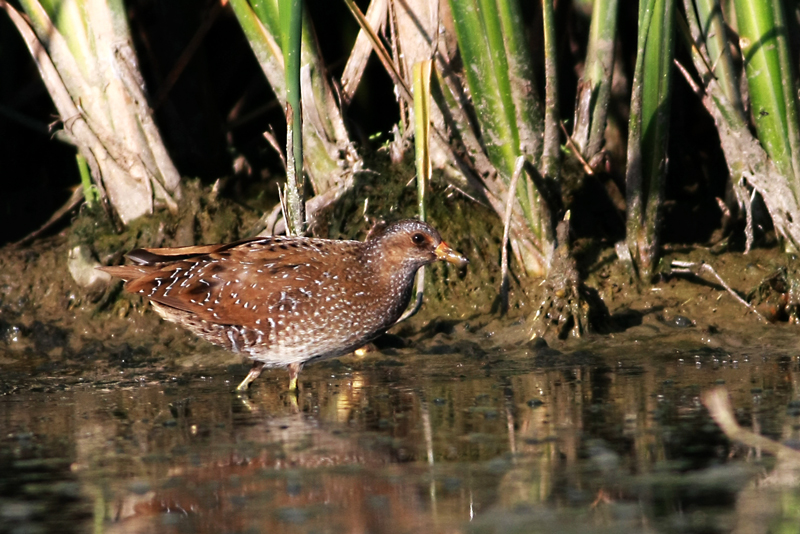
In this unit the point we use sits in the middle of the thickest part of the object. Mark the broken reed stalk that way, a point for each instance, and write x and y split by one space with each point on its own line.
380 50
594 88
422 157
294 206
518 166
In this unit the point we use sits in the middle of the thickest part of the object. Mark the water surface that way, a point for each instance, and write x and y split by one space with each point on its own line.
464 432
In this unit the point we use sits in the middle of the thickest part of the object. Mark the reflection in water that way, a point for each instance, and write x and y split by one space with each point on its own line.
444 443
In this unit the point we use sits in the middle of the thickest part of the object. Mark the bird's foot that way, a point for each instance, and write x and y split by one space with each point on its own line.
255 372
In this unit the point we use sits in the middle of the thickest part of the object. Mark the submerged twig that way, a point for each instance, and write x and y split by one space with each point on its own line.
690 267
719 406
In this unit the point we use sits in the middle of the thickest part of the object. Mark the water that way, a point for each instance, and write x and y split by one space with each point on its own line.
467 432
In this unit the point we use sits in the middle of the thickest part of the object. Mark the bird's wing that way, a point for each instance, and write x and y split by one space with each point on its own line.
241 283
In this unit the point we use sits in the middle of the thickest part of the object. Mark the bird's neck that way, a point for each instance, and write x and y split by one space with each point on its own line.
393 277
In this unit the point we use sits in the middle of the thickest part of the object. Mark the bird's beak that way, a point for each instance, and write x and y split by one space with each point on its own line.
444 252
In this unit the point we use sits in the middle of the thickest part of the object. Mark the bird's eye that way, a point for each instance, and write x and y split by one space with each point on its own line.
418 239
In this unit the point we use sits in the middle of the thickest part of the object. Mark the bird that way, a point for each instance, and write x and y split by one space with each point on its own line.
286 301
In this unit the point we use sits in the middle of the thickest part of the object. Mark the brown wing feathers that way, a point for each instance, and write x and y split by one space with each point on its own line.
210 281
151 256
147 260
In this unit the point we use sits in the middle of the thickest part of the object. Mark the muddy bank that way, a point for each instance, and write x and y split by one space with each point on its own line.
50 324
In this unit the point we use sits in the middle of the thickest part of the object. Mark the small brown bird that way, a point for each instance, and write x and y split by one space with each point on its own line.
284 301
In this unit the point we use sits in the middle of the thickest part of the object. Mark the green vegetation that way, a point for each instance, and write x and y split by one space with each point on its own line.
502 78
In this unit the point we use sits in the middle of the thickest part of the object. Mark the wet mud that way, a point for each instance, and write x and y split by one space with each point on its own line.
457 421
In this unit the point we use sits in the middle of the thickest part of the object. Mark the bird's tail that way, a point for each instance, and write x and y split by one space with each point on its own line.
126 272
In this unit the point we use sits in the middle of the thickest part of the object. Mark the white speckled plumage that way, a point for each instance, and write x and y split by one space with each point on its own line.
284 301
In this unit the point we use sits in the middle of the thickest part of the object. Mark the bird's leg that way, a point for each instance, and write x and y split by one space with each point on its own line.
254 373
294 371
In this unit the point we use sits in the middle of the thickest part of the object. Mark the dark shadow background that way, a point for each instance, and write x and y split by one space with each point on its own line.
214 116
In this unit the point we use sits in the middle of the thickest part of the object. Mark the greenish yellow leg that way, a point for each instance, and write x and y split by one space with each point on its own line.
254 373
294 371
